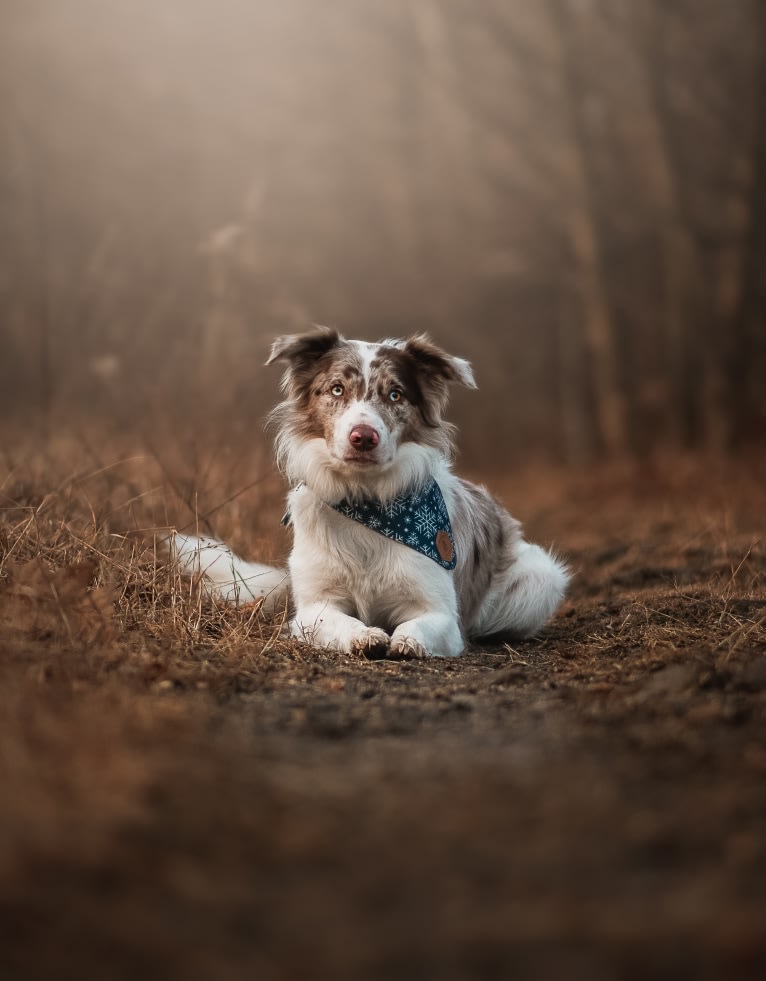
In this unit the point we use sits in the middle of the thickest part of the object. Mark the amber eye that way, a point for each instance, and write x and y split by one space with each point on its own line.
395 395
336 390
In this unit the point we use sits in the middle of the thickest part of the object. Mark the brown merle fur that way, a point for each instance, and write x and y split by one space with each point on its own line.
318 360
485 537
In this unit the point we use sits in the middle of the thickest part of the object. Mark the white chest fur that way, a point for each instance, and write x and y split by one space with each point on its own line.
364 574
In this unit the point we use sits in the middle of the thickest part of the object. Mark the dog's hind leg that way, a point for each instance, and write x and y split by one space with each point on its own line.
520 601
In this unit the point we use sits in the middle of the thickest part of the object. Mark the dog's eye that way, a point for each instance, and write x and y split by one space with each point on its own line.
336 390
395 395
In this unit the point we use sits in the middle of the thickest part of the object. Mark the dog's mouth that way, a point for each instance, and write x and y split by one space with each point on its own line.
369 459
361 459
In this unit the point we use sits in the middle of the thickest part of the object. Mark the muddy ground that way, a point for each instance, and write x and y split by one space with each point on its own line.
185 795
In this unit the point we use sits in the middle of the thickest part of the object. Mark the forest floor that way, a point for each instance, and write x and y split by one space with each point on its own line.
186 795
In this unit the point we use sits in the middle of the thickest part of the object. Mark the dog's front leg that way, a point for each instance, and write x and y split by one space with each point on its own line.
323 625
432 634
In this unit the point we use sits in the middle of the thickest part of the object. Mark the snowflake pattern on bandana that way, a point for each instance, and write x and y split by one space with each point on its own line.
419 521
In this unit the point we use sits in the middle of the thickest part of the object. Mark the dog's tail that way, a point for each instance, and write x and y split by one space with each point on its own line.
225 576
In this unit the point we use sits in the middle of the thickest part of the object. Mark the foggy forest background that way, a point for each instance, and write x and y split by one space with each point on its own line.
571 193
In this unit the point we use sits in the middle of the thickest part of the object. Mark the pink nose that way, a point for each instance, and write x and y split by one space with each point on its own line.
363 438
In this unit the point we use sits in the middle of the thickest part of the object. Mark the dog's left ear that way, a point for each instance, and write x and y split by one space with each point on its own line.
437 364
304 347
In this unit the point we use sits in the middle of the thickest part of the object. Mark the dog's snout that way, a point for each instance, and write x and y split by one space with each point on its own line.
364 438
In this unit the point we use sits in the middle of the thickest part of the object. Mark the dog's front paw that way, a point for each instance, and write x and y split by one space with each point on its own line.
407 647
372 643
430 635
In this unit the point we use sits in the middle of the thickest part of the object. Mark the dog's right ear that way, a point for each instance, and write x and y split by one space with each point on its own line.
300 349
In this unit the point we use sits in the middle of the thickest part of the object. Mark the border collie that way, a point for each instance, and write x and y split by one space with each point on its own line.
393 554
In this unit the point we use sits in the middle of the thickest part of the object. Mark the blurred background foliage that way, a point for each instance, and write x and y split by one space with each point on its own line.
571 193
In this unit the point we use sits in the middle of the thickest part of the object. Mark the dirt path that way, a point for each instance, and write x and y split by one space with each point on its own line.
589 804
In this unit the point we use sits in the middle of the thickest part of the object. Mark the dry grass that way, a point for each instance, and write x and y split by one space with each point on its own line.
81 542
185 792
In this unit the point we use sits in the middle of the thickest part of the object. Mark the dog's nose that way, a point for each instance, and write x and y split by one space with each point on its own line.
363 438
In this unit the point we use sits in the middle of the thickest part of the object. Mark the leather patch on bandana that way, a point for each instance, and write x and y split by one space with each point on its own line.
444 546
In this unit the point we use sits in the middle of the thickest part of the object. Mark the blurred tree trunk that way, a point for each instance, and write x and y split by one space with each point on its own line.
693 332
450 217
678 249
576 432
583 232
746 385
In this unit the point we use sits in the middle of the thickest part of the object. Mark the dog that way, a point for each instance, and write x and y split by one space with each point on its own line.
393 554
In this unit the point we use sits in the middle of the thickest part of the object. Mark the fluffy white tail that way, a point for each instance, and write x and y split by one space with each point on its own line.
225 576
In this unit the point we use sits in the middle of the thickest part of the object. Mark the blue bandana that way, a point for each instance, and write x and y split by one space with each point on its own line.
418 520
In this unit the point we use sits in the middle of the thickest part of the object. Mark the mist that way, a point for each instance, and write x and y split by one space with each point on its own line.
572 194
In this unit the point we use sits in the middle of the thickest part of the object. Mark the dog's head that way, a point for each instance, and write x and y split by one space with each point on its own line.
358 406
